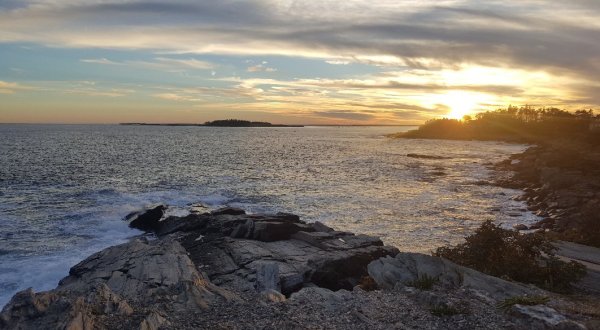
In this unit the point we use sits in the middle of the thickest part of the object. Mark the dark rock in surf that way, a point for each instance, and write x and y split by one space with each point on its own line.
228 211
148 220
426 156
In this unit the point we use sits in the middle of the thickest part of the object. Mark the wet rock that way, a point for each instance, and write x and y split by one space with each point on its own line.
268 231
131 215
319 226
426 156
180 224
147 220
520 227
199 208
228 211
560 180
437 173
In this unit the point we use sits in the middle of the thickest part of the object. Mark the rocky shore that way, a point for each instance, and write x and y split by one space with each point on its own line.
562 185
230 270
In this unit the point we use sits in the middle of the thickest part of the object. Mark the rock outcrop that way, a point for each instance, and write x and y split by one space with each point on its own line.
561 184
108 283
416 273
229 269
197 260
406 269
145 220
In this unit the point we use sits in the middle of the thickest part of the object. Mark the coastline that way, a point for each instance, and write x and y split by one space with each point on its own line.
206 292
235 270
561 184
560 181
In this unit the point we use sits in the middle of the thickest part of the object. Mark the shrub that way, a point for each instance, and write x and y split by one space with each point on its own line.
423 282
523 300
527 258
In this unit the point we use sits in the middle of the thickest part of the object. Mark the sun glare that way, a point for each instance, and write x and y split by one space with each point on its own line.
460 104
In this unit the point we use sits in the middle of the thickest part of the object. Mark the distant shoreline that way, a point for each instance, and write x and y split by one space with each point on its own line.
184 125
204 125
273 125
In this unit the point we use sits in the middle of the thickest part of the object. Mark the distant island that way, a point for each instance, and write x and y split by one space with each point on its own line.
220 123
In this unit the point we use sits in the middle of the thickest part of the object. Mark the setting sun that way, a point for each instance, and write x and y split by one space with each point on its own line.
461 104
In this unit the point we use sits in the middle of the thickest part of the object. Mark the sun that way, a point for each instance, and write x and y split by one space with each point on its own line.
460 104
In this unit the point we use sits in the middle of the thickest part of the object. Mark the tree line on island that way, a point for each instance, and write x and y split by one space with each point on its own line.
220 123
240 123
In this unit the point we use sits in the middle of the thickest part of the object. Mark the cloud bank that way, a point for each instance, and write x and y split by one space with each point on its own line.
518 51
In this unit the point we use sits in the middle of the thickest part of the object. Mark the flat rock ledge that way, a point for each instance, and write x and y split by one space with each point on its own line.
230 270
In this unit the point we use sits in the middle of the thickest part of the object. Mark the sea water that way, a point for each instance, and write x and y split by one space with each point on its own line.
64 189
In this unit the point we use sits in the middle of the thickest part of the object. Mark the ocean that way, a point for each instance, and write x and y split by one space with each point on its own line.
64 189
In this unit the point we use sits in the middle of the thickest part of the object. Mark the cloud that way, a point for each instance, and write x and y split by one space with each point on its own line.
529 34
175 97
157 63
11 87
100 61
344 114
495 51
206 94
262 67
97 92
185 63
337 62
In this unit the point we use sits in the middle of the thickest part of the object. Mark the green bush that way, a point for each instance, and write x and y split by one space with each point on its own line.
423 282
506 304
527 258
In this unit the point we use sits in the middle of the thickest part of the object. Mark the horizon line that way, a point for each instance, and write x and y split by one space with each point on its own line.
202 125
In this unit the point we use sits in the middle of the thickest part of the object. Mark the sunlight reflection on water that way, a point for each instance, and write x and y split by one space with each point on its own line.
64 189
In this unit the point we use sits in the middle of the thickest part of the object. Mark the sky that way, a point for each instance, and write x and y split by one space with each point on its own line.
293 62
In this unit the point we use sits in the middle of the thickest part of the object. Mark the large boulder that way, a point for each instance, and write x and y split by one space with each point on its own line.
107 284
233 250
407 268
142 270
181 224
